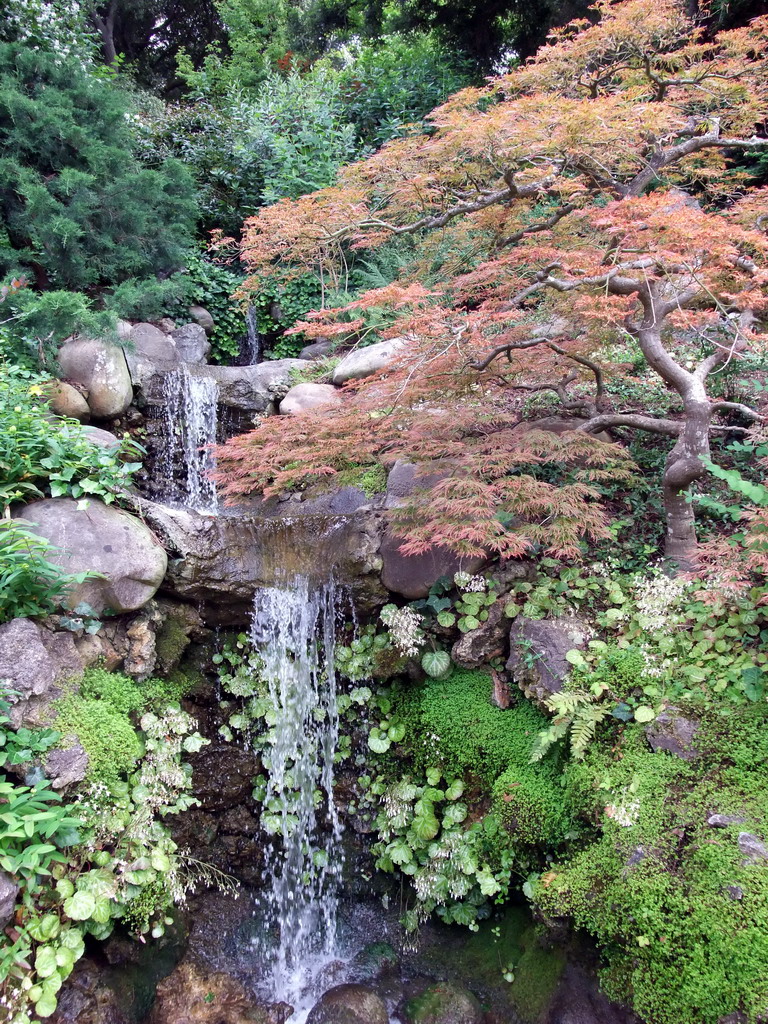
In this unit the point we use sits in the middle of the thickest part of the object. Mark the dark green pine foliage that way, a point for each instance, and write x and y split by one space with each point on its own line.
78 211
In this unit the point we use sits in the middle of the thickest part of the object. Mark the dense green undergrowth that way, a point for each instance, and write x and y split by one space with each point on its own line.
105 857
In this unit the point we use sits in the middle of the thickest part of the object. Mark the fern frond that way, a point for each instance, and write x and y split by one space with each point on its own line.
548 737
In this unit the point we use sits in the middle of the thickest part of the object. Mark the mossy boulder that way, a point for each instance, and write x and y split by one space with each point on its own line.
349 1004
444 1003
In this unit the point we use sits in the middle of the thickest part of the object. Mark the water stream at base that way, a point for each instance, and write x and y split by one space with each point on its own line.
293 631
189 421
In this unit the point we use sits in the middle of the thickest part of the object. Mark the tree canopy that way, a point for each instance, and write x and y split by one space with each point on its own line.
596 210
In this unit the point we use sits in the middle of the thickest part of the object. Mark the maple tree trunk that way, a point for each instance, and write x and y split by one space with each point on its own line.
684 467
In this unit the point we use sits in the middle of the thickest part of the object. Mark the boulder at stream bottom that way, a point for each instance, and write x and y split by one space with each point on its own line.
444 1003
104 540
193 994
362 362
349 1004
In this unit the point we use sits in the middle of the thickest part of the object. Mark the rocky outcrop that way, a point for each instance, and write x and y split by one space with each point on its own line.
194 994
86 999
304 397
362 362
675 733
101 369
444 1003
105 540
538 648
9 890
35 662
478 646
246 390
192 343
221 560
67 765
349 1004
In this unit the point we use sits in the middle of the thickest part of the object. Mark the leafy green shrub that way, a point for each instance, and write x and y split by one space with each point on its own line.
29 583
121 863
286 138
393 83
39 457
211 285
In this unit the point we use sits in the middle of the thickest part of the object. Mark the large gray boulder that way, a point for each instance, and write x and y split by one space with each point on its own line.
34 662
537 650
103 438
150 350
363 362
192 343
349 1004
412 576
305 397
319 349
100 367
105 540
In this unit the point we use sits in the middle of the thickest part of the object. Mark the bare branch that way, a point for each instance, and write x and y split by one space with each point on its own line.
743 410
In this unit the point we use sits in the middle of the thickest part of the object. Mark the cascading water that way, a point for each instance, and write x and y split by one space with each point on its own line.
253 347
189 421
293 631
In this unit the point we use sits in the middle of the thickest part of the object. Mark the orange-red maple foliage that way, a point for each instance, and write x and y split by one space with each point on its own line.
591 202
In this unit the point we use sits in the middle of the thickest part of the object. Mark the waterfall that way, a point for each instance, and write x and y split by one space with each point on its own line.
252 350
293 631
189 422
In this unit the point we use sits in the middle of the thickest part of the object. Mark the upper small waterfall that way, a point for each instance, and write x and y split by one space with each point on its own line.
253 348
189 420
293 631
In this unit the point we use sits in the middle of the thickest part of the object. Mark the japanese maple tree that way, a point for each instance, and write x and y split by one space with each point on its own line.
590 202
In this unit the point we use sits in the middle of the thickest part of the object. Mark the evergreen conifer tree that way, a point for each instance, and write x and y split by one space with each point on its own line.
78 211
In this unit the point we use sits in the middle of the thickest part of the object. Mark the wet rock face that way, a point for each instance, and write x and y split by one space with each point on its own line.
349 1004
105 540
223 560
193 994
9 890
85 999
444 1003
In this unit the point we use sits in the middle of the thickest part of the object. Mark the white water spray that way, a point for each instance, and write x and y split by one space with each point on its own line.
189 419
293 631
